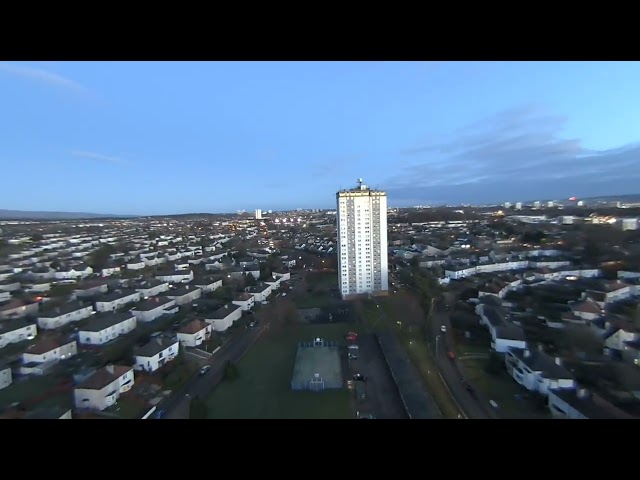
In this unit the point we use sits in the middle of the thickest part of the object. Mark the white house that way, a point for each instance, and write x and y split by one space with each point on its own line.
5 296
64 315
39 287
506 337
104 387
155 354
104 327
17 309
537 371
9 286
107 271
151 288
45 353
136 265
245 301
194 333
177 276
260 292
580 404
150 309
91 288
184 295
208 285
71 273
224 317
5 376
117 299
283 276
14 331
273 282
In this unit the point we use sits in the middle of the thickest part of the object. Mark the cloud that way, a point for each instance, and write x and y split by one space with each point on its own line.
41 75
333 166
97 156
518 153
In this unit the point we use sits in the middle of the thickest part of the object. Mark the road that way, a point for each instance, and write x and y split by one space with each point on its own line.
177 405
470 403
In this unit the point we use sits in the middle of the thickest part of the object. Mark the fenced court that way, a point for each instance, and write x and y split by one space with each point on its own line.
317 366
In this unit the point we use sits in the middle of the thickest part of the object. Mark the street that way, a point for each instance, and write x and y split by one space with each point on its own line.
469 402
177 405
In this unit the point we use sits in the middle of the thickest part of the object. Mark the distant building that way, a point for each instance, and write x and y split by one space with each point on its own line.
518 205
550 204
258 214
507 205
536 204
580 203
362 241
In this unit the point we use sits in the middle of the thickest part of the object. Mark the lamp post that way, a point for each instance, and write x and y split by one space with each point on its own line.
437 338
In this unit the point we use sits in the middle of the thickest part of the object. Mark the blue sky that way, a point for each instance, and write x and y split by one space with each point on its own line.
178 137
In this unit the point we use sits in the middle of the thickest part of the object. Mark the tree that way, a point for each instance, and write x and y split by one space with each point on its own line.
231 372
37 237
100 258
250 280
198 409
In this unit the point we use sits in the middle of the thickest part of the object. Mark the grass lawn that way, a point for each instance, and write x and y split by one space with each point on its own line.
128 409
502 389
313 300
21 390
263 389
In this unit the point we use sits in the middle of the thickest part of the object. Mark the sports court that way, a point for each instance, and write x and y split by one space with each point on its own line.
317 366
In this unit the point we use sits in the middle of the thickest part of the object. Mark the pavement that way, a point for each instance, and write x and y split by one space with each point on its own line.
473 404
177 405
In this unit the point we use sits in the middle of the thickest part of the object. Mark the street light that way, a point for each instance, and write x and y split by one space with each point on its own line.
437 338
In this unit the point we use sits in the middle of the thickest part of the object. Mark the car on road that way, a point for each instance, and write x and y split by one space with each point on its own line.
443 328
351 338
159 414
451 355
358 377
205 369
353 334
467 387
353 356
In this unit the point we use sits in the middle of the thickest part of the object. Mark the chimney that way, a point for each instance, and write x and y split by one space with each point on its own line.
527 353
583 393
558 361
110 369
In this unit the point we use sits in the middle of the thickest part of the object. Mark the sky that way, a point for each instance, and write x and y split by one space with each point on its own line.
153 138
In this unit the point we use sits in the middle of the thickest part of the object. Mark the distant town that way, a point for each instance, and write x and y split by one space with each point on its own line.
518 310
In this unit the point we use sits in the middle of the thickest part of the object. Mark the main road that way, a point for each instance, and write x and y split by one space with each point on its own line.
441 338
177 405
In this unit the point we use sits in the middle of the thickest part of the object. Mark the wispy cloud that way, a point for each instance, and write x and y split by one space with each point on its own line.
97 157
332 166
41 75
518 152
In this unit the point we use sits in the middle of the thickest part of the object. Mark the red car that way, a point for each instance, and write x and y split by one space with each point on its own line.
451 355
352 338
352 334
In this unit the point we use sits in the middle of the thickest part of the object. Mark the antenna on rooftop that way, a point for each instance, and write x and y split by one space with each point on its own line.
360 182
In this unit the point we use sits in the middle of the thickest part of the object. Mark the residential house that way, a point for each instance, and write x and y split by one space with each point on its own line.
111 270
177 276
149 310
224 317
5 297
260 292
151 288
104 327
16 330
40 286
273 282
9 286
282 276
194 333
245 301
49 413
117 299
104 387
586 309
48 351
63 315
5 376
184 295
208 284
136 264
287 261
70 273
92 288
18 309
537 371
42 273
155 354
580 404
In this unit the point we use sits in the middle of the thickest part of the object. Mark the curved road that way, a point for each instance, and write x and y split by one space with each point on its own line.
177 405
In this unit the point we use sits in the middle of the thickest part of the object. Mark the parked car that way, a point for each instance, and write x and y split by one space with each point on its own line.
205 369
451 355
443 328
358 377
351 338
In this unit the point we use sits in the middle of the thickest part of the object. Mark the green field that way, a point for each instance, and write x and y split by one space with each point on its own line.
263 389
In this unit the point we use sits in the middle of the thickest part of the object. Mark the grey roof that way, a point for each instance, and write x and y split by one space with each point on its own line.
48 413
510 332
63 309
118 294
155 346
589 405
179 292
100 321
152 304
224 312
13 325
539 361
